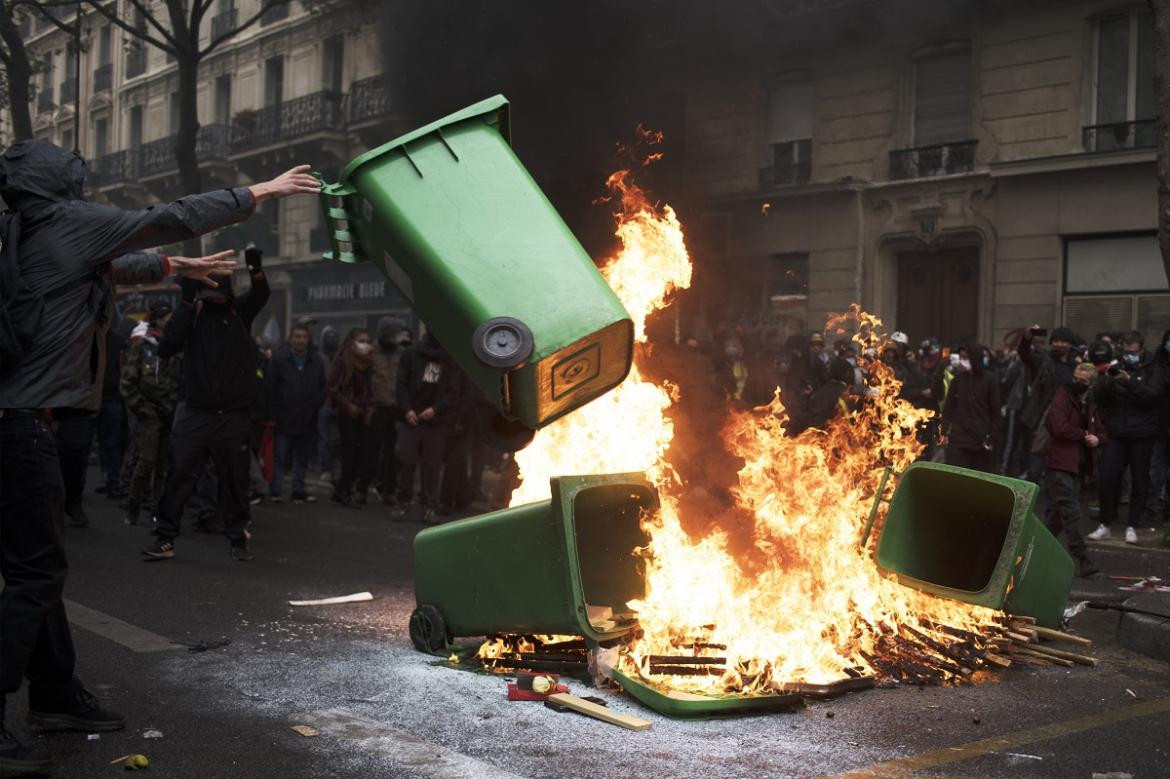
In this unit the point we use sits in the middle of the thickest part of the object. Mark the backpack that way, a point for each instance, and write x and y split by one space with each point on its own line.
1042 439
21 308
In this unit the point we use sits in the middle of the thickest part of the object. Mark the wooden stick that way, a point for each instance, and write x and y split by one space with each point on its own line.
1021 637
995 659
1023 618
1029 660
1060 635
1048 657
598 712
1063 654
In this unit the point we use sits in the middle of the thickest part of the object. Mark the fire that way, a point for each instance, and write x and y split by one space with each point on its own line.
806 603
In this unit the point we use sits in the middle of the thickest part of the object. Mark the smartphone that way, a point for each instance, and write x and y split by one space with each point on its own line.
1039 332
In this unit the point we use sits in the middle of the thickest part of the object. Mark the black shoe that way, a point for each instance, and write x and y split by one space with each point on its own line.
131 514
76 513
1086 569
82 713
429 516
17 759
241 553
159 550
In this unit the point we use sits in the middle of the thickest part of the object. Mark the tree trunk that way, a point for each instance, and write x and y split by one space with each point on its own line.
1161 9
19 76
186 139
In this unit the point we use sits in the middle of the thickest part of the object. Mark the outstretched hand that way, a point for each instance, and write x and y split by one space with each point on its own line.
201 268
296 181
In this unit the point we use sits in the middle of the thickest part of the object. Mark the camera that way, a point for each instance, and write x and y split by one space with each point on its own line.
1039 332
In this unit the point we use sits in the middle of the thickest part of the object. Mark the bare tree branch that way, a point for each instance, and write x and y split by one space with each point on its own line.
141 34
42 10
232 33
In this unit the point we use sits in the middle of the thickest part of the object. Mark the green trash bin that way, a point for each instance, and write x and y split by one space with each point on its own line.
974 537
457 224
565 565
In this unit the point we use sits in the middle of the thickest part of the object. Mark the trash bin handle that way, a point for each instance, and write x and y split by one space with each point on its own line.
877 502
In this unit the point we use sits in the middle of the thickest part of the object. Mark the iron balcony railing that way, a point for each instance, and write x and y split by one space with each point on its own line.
113 168
103 77
274 14
223 23
287 121
939 160
45 99
785 175
1140 134
68 91
158 157
135 62
369 99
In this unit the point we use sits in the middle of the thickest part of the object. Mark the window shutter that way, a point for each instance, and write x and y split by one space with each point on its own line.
942 99
790 112
1089 316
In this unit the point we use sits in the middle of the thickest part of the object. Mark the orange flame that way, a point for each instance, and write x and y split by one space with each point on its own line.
807 603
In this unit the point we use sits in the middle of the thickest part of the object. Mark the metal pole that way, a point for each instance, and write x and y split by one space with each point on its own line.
77 83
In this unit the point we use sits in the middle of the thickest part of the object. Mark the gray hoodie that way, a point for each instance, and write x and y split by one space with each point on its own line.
64 238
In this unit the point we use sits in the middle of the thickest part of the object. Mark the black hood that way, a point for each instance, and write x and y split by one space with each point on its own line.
37 170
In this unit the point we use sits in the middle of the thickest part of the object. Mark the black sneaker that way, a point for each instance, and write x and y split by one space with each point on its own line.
82 713
76 513
429 516
159 550
241 553
16 758
276 499
131 514
1086 569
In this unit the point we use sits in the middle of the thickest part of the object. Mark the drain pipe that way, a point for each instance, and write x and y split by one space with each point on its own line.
859 265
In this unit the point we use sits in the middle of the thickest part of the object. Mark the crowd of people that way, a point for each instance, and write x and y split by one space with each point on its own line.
1065 415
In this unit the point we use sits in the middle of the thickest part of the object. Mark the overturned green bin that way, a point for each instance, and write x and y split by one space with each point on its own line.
457 224
561 566
974 537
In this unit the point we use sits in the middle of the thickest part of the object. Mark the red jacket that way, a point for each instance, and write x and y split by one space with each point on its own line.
1069 419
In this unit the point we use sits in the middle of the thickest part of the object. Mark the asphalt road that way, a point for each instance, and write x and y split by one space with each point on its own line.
383 710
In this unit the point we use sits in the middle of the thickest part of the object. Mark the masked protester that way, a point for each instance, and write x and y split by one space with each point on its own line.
62 257
297 386
387 352
971 412
150 387
212 327
326 421
1130 397
1075 437
427 395
1046 373
351 393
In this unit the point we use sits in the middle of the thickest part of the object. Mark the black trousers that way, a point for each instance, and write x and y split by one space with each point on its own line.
74 432
1119 454
420 447
384 438
200 436
358 454
975 459
1064 509
34 634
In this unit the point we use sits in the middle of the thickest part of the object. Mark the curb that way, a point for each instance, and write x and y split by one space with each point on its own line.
1144 634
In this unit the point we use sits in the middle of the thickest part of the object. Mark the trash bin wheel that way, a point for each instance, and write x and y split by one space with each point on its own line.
502 342
428 629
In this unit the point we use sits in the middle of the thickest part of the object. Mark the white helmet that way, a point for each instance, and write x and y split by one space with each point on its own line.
899 337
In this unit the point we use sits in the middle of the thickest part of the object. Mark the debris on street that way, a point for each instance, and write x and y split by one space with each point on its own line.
357 597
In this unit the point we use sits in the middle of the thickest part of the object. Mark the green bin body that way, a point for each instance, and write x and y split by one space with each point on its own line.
974 537
457 224
558 566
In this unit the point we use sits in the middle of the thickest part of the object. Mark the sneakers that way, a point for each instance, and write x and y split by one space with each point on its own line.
16 758
256 499
159 550
1086 569
76 513
1101 533
301 497
82 712
429 516
275 499
1130 535
326 477
401 510
241 552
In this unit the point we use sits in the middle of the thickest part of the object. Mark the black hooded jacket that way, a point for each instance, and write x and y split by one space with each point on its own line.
972 405
1132 407
68 242
428 378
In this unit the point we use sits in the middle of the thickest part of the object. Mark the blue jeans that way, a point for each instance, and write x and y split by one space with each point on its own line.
299 450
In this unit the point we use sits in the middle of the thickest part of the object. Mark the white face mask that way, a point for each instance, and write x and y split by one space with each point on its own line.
363 348
964 364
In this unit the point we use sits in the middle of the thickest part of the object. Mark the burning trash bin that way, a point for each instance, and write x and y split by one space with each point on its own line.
560 566
457 224
974 537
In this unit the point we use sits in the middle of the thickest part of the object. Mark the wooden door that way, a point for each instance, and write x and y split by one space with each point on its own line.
938 294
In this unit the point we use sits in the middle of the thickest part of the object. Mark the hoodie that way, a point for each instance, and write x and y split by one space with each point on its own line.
426 379
88 248
972 405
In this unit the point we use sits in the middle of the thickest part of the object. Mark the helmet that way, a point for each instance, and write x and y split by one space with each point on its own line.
899 337
929 346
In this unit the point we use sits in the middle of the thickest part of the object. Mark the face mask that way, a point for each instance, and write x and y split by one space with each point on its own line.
404 342
1131 358
731 351
362 347
986 361
1060 350
1078 388
964 364
852 361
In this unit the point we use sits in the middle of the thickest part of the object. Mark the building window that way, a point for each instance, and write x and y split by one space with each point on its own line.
333 60
1115 284
134 132
787 278
790 131
223 100
274 81
67 140
942 98
101 138
274 14
1123 83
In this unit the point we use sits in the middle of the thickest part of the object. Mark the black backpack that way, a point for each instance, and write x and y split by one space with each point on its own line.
21 308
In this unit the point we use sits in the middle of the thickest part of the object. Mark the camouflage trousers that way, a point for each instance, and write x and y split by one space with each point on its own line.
152 439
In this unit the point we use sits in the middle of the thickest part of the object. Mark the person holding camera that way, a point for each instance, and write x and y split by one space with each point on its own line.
1129 395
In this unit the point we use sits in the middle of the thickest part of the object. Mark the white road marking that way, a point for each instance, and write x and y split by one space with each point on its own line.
423 758
129 636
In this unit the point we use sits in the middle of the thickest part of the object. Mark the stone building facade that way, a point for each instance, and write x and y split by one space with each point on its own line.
958 172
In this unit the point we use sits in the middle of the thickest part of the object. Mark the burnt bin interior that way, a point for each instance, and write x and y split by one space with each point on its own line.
947 529
607 521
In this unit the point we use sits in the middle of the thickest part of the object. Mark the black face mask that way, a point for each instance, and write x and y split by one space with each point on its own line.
1078 388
